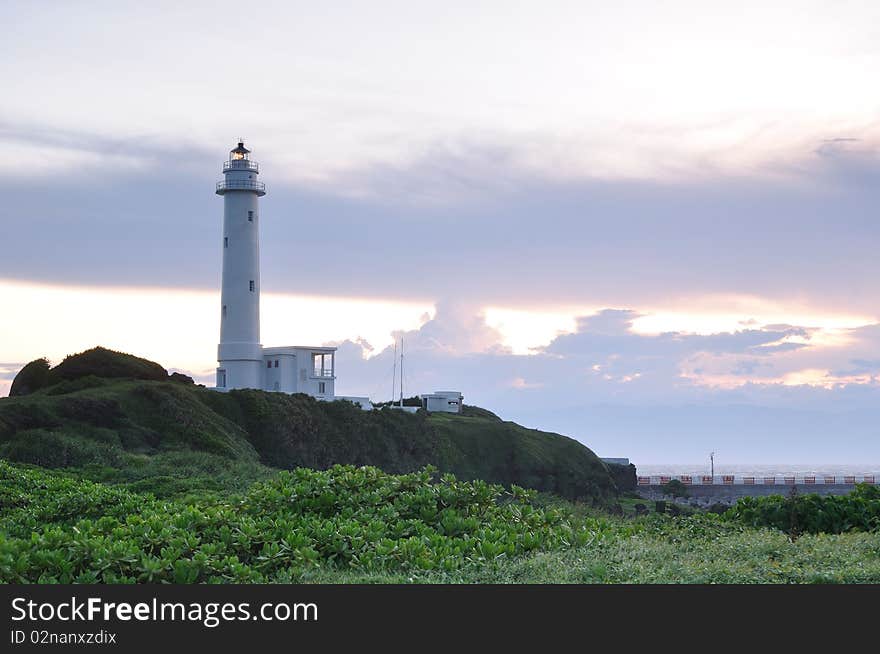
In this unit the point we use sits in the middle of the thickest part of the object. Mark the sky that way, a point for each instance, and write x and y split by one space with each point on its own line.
651 227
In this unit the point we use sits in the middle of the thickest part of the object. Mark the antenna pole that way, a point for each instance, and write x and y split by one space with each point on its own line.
394 374
401 371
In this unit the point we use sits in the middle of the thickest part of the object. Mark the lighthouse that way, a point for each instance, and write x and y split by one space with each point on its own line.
243 362
240 353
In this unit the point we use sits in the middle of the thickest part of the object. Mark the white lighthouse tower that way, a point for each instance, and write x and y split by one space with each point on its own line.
240 353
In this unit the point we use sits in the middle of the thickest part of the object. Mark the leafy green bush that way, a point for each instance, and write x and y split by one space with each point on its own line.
358 525
814 514
31 378
178 474
675 488
31 500
344 518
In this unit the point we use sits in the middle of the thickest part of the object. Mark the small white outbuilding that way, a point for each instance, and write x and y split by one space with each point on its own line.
443 401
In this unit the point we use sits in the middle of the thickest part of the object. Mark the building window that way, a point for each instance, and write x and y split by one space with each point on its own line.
276 363
226 241
252 286
221 378
224 311
322 388
268 364
323 364
250 216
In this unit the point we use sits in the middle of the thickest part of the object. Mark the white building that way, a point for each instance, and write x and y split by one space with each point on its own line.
445 401
243 361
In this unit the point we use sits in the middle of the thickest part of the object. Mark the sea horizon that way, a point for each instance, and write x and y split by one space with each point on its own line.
759 469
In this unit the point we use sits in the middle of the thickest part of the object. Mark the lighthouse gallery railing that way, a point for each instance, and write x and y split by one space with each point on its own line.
241 185
241 164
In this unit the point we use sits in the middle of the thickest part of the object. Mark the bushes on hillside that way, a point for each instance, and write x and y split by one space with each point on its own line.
814 514
298 430
181 378
149 412
31 378
87 370
102 362
74 385
52 449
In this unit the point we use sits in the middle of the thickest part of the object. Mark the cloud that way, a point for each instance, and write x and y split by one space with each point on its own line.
609 333
861 367
491 233
8 371
37 152
457 329
604 369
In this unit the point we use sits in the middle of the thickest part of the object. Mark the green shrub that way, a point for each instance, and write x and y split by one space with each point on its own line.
55 449
675 488
105 363
74 385
31 378
181 378
178 473
345 518
33 500
814 514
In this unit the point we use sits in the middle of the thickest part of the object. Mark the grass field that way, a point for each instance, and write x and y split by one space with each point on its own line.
359 525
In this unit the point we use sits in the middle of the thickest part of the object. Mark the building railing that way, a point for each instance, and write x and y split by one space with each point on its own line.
326 372
241 164
241 185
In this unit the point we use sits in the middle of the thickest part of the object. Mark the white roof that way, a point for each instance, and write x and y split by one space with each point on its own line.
292 349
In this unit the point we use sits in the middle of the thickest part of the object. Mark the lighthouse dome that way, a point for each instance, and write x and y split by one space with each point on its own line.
239 152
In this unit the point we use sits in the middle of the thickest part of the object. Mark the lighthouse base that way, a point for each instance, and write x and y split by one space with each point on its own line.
240 365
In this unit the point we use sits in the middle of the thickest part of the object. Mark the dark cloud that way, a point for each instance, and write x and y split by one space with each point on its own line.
608 333
860 367
146 147
482 231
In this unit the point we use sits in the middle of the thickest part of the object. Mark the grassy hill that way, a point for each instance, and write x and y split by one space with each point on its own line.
140 427
191 492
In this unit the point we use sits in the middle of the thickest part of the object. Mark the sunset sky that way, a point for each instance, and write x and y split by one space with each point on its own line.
644 225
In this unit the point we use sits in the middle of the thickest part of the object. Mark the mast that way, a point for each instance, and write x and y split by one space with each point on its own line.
394 374
401 371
